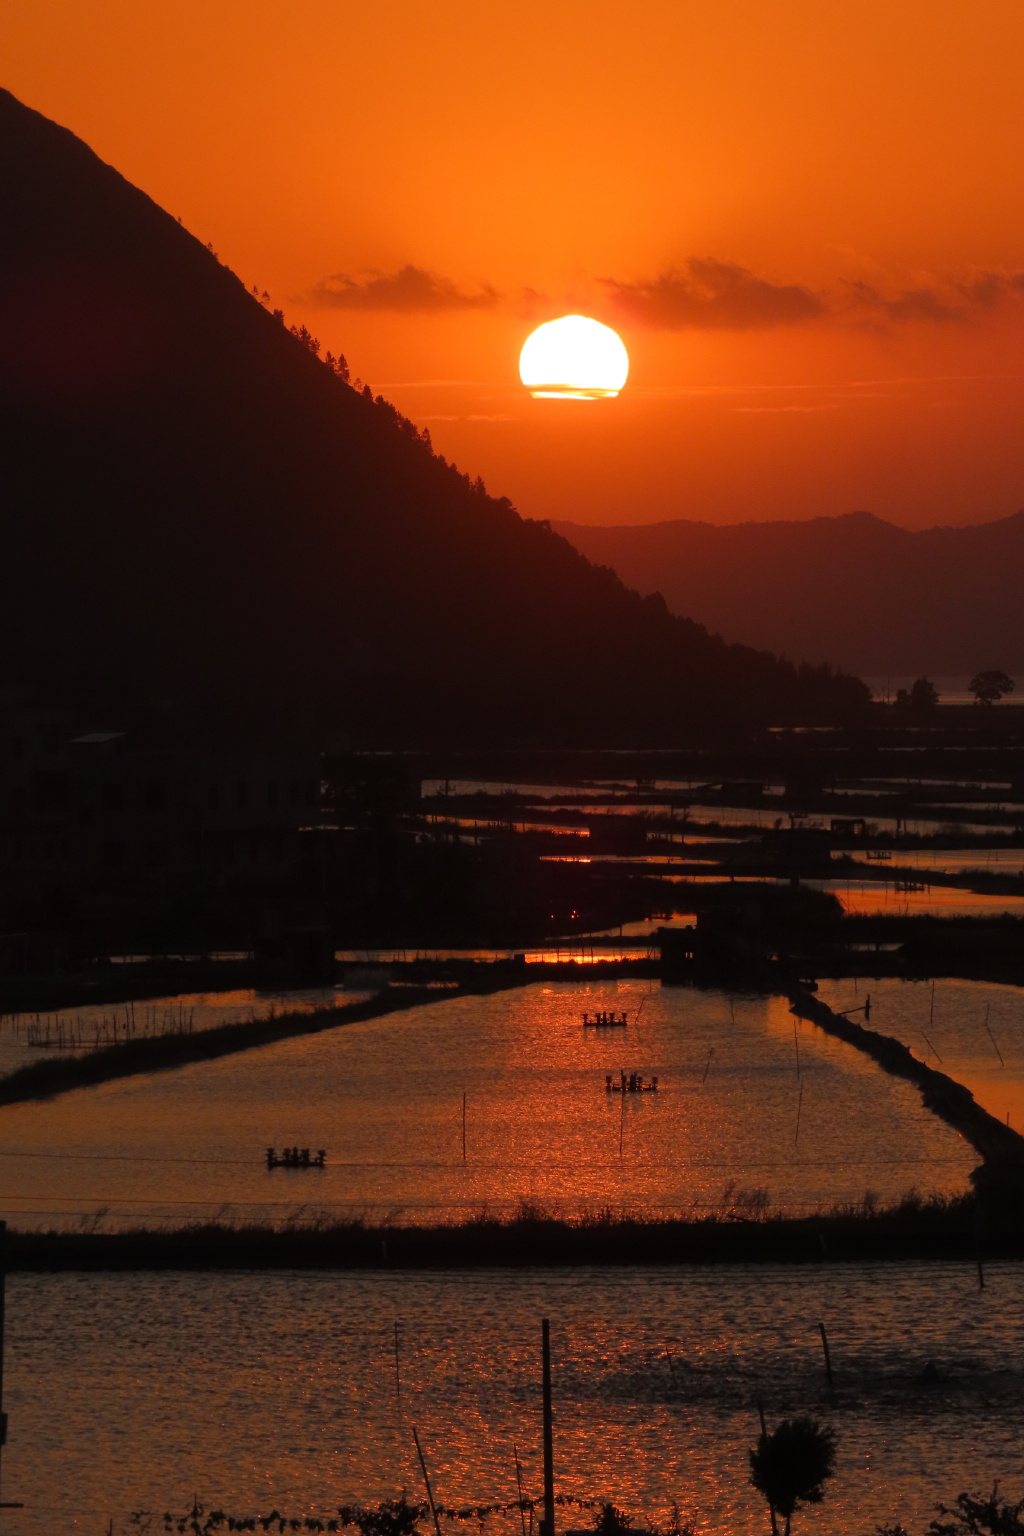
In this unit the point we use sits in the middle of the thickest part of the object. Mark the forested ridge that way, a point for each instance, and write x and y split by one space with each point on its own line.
201 516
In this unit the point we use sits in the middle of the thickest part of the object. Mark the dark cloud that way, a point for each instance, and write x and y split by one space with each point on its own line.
957 303
705 294
702 293
410 290
913 304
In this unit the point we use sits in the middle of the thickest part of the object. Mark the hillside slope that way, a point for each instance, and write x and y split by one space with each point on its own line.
201 519
854 590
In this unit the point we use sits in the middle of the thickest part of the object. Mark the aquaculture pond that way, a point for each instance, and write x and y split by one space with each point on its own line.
30 1036
255 1391
475 1104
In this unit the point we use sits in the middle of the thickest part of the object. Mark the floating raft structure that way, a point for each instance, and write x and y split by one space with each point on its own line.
296 1157
605 1020
632 1082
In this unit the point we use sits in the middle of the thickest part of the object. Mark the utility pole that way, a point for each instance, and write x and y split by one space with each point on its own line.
3 1305
549 1468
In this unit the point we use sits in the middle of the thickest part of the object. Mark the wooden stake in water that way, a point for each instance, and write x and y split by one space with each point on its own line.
519 1485
796 1046
3 1319
398 1374
463 1127
931 1010
549 1455
799 1107
764 1437
426 1481
828 1357
992 1037
3 1312
707 1065
622 1113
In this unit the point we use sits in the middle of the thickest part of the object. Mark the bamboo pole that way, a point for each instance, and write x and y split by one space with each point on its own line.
549 1458
426 1480
519 1485
828 1357
764 1442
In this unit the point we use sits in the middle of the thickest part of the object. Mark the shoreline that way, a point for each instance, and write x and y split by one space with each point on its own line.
162 1053
938 1231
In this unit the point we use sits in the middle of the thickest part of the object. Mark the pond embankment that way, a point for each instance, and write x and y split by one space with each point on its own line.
1001 1173
160 1053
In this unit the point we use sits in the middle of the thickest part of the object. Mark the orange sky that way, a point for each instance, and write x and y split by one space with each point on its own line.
805 220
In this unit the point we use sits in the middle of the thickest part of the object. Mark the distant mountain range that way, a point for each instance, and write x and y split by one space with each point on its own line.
201 520
856 591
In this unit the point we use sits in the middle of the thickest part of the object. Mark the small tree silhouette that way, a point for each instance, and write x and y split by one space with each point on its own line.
980 1517
989 687
610 1521
790 1466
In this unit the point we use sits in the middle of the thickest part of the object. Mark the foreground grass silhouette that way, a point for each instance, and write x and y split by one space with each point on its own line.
740 1230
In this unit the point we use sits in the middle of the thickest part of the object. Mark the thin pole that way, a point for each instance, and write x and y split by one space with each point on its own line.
398 1374
707 1065
426 1480
519 1485
463 1127
992 1037
796 1044
549 1454
622 1114
828 1357
3 1321
799 1107
931 1010
764 1442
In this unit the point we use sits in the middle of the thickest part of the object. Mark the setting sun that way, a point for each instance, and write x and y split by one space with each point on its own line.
573 359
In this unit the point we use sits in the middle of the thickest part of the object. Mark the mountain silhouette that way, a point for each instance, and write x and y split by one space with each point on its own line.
203 523
855 590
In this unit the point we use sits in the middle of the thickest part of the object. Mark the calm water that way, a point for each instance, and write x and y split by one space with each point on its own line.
972 1030
136 1391
384 1097
883 897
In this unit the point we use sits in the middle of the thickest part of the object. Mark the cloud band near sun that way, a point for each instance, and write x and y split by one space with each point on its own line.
700 293
410 290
